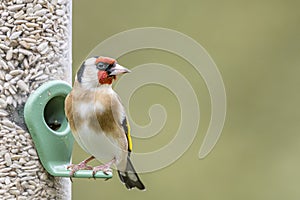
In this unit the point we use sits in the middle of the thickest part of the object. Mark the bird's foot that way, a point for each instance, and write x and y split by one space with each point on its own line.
81 166
104 168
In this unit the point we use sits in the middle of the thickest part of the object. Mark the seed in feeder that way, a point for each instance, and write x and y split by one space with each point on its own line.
24 44
23 86
15 35
4 47
42 46
30 40
3 113
7 159
8 77
3 191
32 152
25 52
41 12
35 32
11 90
4 29
2 103
9 54
18 14
29 24
60 12
37 7
15 7
16 72
19 21
14 192
29 11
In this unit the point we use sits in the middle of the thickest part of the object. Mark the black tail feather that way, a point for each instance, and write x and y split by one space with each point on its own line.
130 178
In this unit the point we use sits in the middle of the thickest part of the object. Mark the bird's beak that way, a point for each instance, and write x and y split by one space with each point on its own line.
118 69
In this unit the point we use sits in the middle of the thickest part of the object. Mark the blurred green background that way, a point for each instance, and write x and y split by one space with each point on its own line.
256 46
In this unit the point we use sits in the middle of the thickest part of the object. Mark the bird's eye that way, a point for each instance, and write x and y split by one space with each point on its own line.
101 65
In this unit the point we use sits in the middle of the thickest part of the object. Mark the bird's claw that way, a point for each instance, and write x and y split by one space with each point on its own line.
76 167
104 168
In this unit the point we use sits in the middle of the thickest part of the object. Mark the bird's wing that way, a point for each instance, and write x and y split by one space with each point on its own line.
114 112
126 128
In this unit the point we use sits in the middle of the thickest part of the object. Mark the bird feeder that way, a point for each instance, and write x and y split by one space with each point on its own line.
35 48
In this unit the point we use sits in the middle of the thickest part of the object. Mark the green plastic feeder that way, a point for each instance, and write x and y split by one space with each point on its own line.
47 124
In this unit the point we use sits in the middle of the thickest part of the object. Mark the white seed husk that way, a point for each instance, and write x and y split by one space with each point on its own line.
15 7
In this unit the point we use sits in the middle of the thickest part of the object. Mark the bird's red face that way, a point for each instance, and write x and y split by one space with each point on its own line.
97 71
108 69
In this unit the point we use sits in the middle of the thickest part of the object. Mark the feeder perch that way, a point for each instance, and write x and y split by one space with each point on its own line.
47 124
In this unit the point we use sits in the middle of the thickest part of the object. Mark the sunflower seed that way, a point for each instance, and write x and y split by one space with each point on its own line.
3 103
19 21
2 191
30 40
3 113
42 46
23 86
25 44
35 32
14 192
60 12
32 152
4 29
15 35
25 52
16 72
41 12
7 159
9 54
37 7
15 7
29 24
3 46
18 14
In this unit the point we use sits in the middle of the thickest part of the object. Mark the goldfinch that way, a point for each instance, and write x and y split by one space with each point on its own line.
98 121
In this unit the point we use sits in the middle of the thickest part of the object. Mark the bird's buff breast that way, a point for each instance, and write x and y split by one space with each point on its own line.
92 135
98 143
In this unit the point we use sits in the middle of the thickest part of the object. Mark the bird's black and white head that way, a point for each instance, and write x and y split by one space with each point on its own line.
97 71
